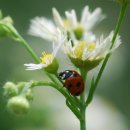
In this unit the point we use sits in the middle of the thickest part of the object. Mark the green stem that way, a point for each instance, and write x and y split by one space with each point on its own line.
82 99
29 49
52 77
73 109
82 111
117 28
44 83
119 22
84 75
82 120
25 89
41 83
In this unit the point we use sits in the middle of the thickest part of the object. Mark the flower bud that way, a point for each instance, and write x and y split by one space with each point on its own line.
4 22
7 28
7 20
10 89
18 105
53 67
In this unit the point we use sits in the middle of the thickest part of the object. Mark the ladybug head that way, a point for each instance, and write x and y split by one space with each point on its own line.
65 74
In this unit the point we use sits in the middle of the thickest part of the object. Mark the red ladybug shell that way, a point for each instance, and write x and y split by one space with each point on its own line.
74 83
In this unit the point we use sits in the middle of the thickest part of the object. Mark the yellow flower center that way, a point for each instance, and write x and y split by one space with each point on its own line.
45 57
91 46
66 24
79 49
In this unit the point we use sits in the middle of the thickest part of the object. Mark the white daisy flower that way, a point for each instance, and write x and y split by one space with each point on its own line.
88 19
48 61
90 54
76 30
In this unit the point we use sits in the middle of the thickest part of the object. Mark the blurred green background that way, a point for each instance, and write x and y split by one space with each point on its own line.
47 112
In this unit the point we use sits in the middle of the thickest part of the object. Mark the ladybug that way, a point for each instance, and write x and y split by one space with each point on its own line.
72 81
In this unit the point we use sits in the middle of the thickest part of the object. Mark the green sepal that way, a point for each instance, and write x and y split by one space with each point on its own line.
87 64
53 67
78 32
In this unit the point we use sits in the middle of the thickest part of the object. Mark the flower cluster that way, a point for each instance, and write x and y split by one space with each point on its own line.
18 96
76 39
75 36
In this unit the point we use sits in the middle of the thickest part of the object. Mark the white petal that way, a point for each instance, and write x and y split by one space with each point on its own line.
43 28
57 46
117 41
58 19
85 54
72 18
85 14
103 47
32 66
91 19
68 48
89 37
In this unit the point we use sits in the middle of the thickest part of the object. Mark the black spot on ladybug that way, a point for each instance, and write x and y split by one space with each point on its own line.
69 86
78 84
77 94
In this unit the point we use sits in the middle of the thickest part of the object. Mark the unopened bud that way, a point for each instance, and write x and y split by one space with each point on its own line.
7 20
18 105
10 89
